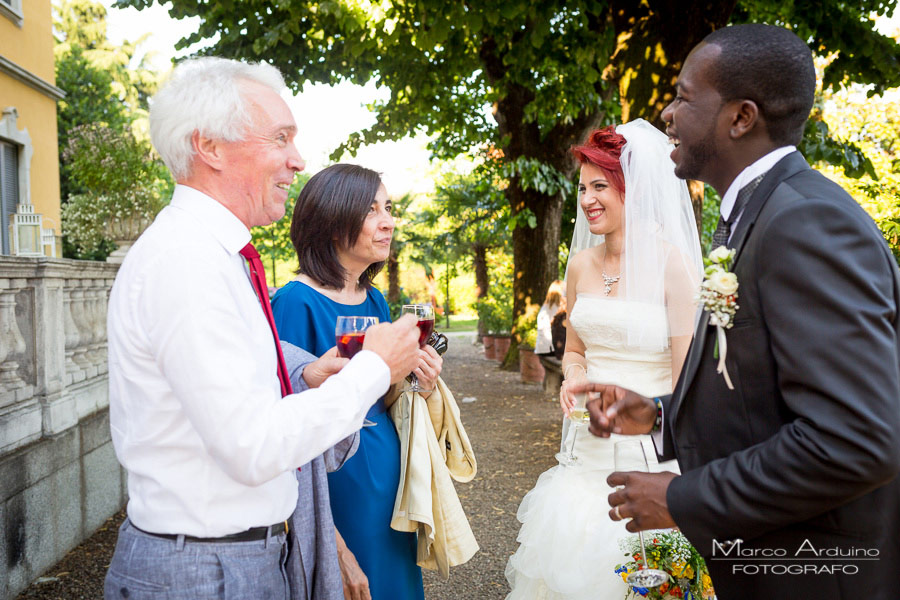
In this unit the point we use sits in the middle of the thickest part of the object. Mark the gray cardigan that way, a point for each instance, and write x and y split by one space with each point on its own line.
312 564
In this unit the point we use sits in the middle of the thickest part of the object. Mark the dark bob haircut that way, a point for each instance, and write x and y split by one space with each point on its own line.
329 215
771 66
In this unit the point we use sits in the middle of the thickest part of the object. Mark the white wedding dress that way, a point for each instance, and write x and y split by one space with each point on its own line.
568 545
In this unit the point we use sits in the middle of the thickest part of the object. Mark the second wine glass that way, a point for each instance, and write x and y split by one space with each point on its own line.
425 315
631 456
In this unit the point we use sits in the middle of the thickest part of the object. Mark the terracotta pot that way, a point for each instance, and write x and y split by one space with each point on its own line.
501 346
530 367
488 346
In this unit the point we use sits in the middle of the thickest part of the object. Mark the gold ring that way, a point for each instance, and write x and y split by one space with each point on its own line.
618 514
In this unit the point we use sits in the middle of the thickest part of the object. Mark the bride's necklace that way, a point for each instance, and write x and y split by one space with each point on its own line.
609 280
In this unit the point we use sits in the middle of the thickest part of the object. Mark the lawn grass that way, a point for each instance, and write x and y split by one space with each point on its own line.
457 323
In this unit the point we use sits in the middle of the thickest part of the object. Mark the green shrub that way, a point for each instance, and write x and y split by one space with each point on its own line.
495 309
126 186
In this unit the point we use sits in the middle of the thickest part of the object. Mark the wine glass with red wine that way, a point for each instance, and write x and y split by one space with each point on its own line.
350 333
425 314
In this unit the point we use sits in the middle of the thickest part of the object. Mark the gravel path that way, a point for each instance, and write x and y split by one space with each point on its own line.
514 431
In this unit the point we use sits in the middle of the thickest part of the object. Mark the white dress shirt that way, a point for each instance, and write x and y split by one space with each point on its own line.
750 173
196 412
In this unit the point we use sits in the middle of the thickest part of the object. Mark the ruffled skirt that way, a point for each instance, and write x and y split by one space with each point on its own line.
568 545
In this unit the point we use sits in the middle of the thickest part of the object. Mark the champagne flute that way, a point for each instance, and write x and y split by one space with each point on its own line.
578 417
425 315
630 456
350 333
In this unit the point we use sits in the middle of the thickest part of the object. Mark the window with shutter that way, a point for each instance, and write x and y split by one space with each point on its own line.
9 190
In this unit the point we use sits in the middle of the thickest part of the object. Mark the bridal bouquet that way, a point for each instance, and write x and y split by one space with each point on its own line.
671 552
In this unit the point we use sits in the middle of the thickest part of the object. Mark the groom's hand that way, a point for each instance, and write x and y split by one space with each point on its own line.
617 410
641 497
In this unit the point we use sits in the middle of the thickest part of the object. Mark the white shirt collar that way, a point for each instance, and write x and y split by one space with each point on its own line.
750 173
220 222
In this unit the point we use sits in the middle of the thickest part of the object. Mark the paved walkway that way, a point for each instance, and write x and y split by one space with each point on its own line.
514 431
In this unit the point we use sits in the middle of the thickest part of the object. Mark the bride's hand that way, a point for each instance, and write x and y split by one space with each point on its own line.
567 399
616 410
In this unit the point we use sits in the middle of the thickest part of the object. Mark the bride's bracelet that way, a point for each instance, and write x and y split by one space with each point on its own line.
566 372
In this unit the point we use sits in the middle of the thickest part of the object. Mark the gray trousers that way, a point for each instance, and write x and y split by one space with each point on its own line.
145 566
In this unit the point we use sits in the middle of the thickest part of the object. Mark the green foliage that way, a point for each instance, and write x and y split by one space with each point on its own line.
873 124
533 174
526 325
710 218
89 99
126 187
81 24
273 242
469 209
495 310
396 308
818 145
836 27
525 79
105 87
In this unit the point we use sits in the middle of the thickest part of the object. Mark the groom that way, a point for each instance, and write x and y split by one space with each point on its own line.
789 484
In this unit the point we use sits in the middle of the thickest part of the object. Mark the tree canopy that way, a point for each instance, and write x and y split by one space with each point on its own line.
520 78
105 87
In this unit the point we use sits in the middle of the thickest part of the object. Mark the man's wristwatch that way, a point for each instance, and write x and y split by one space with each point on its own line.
657 424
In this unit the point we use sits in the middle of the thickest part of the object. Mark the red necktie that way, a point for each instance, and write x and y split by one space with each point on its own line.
258 278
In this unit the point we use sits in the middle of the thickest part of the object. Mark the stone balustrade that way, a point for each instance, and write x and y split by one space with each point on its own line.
59 479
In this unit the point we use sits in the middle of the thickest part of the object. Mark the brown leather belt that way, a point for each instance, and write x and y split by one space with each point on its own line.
254 534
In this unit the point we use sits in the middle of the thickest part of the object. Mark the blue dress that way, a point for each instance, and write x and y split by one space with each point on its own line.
363 490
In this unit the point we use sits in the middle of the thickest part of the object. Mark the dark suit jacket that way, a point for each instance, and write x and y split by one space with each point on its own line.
803 455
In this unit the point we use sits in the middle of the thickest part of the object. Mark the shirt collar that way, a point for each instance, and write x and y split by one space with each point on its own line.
750 173
220 222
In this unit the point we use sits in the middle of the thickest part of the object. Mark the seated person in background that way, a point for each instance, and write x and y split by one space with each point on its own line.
558 330
543 345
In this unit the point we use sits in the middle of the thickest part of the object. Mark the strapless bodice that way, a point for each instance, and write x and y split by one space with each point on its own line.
601 324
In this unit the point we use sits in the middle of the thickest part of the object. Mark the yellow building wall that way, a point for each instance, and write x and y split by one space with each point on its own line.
31 47
37 115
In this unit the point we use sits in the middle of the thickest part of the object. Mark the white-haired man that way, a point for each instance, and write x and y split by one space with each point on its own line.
201 409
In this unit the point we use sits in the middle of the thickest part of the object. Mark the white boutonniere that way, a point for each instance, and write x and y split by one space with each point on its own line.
718 295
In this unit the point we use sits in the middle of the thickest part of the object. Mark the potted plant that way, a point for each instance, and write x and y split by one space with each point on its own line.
530 368
495 313
124 188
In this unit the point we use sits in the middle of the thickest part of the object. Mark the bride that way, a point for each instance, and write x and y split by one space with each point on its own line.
633 273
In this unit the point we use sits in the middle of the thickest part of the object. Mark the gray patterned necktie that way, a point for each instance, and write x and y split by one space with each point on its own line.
723 229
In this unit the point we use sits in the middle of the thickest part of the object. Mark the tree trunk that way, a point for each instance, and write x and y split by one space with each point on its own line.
535 251
654 38
479 261
393 273
535 256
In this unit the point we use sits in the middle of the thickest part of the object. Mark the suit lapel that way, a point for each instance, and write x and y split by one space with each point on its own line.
786 167
691 362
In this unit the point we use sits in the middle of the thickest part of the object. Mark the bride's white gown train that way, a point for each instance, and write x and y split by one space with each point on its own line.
568 545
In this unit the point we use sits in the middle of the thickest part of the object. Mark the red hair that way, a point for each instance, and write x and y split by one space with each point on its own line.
602 149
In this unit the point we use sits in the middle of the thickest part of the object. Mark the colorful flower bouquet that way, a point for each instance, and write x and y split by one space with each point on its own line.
671 552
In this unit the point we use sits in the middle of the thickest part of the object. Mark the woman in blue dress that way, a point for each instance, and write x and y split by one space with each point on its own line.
342 229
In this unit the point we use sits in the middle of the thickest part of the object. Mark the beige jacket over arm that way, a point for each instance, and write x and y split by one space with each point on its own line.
434 448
